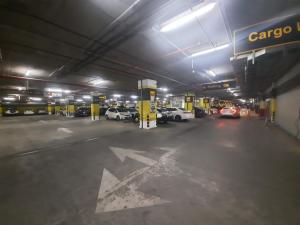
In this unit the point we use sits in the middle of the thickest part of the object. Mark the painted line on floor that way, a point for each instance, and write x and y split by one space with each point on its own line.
91 139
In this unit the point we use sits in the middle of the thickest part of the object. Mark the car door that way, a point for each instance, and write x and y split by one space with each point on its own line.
111 113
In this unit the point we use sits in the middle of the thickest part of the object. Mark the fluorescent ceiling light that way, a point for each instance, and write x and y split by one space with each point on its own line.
35 99
96 82
58 90
133 96
211 73
187 17
9 98
79 100
86 96
210 50
117 95
62 100
27 73
127 101
164 89
242 100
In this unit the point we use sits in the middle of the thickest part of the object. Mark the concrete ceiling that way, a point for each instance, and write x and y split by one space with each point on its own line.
67 44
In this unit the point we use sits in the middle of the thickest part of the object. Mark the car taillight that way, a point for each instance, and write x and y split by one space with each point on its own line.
222 111
233 111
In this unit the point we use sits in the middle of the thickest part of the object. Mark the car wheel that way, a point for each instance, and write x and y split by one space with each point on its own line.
106 117
118 118
177 118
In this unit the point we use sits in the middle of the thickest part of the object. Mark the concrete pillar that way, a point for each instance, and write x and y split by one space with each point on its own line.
50 109
1 110
189 101
70 108
147 103
57 108
95 108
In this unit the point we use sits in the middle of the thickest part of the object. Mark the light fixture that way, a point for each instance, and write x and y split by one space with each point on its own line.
27 73
79 100
57 90
210 50
169 95
163 89
9 98
242 100
62 100
117 95
20 88
187 17
235 94
96 82
211 73
133 96
35 99
127 101
86 97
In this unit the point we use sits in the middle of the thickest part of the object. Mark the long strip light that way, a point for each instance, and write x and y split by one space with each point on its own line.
210 50
187 17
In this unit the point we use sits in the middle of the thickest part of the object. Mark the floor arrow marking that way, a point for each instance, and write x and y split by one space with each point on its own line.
122 153
108 181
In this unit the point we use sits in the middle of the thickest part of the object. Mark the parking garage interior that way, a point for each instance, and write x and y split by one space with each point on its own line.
149 112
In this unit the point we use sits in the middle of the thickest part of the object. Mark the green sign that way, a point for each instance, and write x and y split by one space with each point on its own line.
267 34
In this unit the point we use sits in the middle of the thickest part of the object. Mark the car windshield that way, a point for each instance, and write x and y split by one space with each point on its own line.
132 110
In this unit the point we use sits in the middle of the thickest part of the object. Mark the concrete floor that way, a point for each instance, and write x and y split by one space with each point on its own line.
201 172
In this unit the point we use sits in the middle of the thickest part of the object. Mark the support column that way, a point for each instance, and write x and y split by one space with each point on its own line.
95 108
147 103
273 105
70 108
1 110
50 109
189 101
57 108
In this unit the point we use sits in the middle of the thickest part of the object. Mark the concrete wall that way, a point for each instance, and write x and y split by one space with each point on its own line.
288 111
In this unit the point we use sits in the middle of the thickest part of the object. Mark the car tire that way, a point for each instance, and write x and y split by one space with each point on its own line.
177 118
106 117
118 118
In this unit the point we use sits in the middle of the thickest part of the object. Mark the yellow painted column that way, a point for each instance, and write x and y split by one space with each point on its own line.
50 109
95 108
1 110
273 109
70 108
147 103
189 101
57 108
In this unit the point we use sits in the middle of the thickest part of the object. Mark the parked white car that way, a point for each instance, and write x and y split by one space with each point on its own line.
181 114
28 112
118 114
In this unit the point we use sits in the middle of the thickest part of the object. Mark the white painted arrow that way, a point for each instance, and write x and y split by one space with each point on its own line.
110 199
122 153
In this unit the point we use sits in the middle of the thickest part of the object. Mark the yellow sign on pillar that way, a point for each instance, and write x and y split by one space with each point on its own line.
189 101
147 103
70 108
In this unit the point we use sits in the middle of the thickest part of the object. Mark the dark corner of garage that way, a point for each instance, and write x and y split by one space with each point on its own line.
149 112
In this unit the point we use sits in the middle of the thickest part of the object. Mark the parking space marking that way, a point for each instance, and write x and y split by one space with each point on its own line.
91 139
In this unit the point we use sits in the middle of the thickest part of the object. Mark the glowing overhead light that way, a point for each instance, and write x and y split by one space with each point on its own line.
35 99
163 89
86 96
242 100
62 100
187 17
210 50
20 88
79 100
133 96
169 95
117 95
96 82
235 94
127 101
211 73
57 90
27 73
9 98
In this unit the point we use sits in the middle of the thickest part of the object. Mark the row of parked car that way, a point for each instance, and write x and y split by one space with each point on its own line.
15 112
122 113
